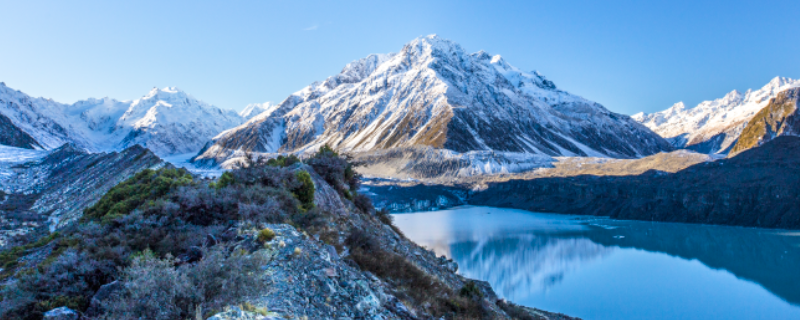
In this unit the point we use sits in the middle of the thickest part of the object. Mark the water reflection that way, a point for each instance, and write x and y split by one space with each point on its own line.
520 264
602 268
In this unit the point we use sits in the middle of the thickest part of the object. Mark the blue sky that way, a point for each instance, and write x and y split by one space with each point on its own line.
628 55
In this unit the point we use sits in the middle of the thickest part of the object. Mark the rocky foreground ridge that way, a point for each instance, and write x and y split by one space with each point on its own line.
282 239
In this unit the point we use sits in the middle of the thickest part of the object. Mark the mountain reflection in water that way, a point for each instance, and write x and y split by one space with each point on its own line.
601 268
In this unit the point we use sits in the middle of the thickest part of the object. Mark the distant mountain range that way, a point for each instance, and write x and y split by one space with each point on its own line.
434 94
713 126
431 94
167 121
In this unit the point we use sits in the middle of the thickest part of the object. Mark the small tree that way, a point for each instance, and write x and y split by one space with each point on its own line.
305 192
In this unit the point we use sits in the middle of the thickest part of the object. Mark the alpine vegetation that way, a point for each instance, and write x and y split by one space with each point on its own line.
281 237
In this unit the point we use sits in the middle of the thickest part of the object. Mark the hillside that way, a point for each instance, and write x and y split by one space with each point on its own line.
434 94
46 191
285 239
755 188
778 118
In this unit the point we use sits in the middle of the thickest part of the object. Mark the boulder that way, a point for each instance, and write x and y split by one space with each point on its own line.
62 313
105 291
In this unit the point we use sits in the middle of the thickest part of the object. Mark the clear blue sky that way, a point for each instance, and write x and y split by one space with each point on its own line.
628 55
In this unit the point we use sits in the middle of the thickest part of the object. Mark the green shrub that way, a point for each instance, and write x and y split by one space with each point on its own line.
8 257
224 180
305 192
470 290
266 235
147 185
282 161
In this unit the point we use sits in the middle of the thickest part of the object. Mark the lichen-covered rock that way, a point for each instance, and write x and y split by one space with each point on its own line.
62 313
103 294
235 313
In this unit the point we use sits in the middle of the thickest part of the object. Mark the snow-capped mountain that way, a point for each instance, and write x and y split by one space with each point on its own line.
254 109
713 126
433 93
167 121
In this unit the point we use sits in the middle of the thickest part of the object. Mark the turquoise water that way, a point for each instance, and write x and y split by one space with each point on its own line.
598 268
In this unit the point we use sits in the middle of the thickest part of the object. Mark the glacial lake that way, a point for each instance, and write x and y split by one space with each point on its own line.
599 268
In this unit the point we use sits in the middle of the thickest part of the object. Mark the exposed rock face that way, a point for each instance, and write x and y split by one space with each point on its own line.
778 118
11 135
53 191
433 93
756 188
713 126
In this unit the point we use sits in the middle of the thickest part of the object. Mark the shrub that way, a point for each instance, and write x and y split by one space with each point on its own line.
516 311
224 180
154 289
307 219
330 167
282 161
421 287
305 192
266 235
130 194
470 290
384 216
363 203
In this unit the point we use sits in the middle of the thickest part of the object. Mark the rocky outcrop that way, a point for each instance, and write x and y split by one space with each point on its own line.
778 118
62 313
755 188
11 135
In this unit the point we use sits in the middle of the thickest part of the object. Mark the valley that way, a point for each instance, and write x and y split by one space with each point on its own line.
428 183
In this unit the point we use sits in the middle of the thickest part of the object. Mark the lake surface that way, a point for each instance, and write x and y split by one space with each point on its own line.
599 268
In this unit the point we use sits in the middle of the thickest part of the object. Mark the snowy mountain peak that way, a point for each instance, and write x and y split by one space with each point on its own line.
714 126
167 121
680 106
433 94
255 109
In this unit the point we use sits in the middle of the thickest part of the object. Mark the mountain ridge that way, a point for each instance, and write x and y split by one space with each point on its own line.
168 121
713 126
434 94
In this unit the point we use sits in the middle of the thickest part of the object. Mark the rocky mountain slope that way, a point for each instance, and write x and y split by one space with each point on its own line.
46 191
433 93
167 121
11 135
778 118
755 188
285 240
713 126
